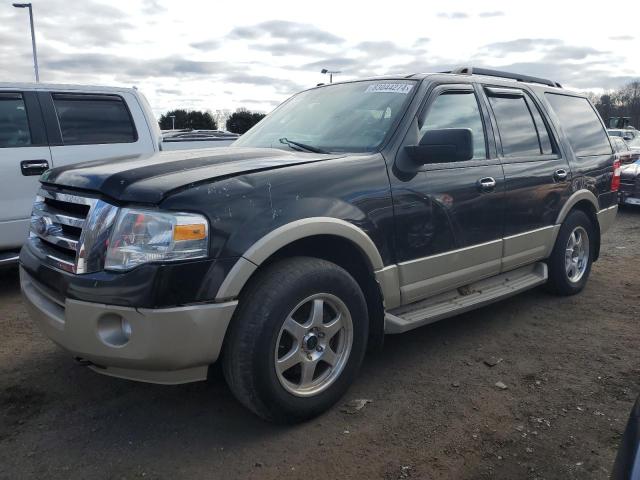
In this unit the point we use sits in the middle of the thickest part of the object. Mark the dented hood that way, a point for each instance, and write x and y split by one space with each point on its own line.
150 178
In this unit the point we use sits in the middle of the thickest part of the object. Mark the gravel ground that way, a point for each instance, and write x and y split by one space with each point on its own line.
571 367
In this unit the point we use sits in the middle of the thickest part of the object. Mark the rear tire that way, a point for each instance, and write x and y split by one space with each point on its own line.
297 340
572 256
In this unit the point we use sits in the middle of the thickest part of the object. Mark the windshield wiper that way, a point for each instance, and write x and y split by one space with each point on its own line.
303 146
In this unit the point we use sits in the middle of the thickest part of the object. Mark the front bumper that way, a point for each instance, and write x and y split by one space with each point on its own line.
167 345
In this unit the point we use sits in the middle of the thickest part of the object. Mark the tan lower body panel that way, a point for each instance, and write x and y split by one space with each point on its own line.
439 273
528 247
169 345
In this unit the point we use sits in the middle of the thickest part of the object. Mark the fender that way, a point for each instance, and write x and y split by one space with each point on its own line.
576 197
261 250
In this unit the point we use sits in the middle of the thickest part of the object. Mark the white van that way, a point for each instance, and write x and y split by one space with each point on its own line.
44 126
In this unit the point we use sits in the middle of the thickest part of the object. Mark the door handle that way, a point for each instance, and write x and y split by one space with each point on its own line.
33 167
560 175
487 184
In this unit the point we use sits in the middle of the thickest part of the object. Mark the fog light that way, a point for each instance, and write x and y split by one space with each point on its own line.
114 330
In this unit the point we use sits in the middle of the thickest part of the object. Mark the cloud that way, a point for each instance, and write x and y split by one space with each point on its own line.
495 13
420 42
623 38
281 49
453 15
92 24
285 30
281 85
259 101
587 75
206 45
382 48
153 7
521 45
168 91
566 52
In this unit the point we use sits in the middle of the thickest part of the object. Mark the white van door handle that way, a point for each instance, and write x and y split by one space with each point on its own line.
33 167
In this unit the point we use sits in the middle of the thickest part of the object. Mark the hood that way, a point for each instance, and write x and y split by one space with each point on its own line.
149 178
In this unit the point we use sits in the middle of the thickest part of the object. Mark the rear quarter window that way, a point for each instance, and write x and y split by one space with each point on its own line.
581 124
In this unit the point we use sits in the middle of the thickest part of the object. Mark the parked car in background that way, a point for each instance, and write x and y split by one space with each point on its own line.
630 184
625 133
188 139
625 154
44 126
629 135
353 210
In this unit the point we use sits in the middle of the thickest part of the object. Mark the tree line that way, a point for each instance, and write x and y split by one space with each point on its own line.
238 122
623 102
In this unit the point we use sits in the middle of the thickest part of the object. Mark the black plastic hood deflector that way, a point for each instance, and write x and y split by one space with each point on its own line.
150 178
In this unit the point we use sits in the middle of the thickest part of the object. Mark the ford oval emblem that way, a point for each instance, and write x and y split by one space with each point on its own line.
41 225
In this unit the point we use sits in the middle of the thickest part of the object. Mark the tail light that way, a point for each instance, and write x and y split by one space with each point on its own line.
615 180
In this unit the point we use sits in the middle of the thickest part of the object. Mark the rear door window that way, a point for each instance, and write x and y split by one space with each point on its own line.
581 124
518 132
93 119
14 123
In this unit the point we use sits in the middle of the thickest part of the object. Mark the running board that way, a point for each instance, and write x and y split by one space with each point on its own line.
465 298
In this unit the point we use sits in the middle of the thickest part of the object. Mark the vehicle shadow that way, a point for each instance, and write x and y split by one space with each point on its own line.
73 400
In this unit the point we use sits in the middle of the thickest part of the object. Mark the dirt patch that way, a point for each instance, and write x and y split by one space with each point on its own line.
571 367
18 404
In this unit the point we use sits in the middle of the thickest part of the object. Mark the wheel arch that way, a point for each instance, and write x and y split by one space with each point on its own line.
587 202
328 238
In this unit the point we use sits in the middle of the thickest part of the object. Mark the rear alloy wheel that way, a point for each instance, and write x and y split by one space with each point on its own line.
572 256
576 258
297 340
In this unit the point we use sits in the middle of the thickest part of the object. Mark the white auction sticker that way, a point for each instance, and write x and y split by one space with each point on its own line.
390 88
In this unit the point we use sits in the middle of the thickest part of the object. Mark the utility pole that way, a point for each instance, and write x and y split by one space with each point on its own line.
330 72
33 36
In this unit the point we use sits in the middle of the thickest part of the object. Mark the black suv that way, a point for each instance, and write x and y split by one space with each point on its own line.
352 211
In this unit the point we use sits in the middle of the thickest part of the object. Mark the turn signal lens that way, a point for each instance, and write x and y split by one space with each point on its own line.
193 231
615 180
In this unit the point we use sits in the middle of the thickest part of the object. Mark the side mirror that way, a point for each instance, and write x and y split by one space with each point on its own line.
443 146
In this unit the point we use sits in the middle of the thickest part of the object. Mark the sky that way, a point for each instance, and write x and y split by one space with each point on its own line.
210 55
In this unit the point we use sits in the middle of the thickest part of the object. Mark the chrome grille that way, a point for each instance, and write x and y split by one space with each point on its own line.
71 232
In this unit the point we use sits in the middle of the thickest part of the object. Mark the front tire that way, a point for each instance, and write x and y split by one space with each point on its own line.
572 256
297 339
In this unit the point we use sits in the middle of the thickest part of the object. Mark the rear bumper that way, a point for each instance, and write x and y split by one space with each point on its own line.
168 345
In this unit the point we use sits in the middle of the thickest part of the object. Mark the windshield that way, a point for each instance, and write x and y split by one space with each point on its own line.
348 117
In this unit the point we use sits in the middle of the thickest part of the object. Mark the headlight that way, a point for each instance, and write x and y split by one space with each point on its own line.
141 236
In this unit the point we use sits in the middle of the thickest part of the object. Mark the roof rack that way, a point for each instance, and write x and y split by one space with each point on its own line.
498 73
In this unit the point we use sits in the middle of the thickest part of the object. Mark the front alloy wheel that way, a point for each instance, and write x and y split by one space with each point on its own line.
313 345
297 339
